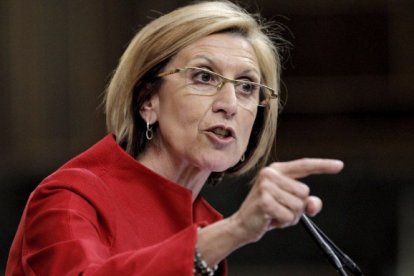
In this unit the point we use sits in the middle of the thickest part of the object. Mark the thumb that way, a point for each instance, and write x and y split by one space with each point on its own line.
313 206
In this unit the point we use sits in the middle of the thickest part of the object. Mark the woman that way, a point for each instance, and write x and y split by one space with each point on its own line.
194 97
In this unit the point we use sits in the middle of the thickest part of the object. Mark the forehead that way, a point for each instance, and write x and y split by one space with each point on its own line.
225 48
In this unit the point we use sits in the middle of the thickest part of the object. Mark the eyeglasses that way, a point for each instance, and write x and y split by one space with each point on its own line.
207 83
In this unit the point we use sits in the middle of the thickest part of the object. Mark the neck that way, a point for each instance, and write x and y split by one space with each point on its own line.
177 171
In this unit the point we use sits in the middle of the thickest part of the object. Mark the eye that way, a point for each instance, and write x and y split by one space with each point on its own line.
247 88
203 77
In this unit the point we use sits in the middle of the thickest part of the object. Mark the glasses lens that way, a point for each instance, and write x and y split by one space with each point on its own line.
202 81
256 95
265 96
247 93
207 83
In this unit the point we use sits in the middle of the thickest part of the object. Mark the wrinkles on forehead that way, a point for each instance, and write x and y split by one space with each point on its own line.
233 52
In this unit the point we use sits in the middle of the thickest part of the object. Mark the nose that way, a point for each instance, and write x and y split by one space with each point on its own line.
226 100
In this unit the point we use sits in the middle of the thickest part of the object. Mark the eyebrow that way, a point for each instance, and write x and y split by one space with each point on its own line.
209 60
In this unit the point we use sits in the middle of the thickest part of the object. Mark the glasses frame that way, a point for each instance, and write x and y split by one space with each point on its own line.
223 81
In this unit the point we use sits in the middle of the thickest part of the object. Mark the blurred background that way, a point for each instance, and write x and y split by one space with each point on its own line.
349 81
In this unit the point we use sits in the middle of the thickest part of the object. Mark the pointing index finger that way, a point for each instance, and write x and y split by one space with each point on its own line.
307 166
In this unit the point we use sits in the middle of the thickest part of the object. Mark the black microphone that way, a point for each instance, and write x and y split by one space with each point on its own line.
349 263
335 256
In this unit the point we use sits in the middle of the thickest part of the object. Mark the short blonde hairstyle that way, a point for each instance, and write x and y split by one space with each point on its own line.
134 80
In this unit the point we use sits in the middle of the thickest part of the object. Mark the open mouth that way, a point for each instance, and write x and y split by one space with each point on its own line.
222 132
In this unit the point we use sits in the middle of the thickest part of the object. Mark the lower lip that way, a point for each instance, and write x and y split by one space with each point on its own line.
219 139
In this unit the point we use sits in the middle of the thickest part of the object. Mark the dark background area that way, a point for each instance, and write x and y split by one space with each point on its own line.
349 82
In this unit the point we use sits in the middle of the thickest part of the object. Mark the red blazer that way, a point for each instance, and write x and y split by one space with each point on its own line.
103 213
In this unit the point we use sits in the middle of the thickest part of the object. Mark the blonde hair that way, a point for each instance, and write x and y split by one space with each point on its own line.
153 47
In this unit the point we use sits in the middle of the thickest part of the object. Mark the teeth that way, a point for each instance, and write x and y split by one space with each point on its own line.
221 132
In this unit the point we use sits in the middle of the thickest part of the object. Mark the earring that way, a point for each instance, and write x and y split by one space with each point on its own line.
149 133
242 158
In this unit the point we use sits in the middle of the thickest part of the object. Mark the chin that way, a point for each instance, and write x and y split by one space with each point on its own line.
219 165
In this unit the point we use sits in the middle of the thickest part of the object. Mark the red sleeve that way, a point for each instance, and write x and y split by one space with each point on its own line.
62 233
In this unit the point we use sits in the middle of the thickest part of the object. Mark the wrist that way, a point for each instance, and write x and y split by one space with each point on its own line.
216 241
241 231
200 265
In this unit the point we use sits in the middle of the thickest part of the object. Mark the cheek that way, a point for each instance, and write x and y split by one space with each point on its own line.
183 115
246 124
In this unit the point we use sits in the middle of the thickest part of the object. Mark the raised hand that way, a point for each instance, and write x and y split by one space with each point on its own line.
278 198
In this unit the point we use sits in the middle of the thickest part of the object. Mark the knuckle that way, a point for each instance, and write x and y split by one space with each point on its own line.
263 186
305 190
274 165
287 219
268 172
265 203
299 206
306 162
278 167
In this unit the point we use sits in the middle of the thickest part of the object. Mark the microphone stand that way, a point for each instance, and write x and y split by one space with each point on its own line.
336 257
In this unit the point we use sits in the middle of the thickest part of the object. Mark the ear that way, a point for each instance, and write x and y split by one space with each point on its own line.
149 110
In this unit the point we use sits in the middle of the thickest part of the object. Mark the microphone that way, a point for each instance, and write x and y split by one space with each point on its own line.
335 256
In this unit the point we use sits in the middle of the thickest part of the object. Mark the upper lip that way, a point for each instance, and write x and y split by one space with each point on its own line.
231 131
